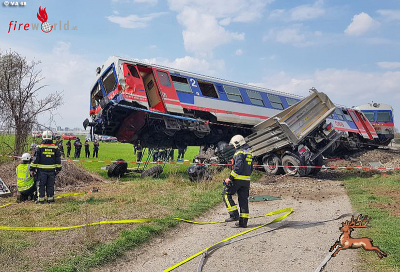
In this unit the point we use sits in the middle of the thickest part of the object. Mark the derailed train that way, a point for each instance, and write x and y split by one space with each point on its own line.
164 107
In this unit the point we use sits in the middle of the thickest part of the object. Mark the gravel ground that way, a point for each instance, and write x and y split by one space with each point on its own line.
289 249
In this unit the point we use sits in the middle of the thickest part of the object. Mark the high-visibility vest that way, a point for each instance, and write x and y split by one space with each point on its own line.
24 179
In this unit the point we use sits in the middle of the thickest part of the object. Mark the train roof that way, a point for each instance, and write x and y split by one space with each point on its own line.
374 106
117 60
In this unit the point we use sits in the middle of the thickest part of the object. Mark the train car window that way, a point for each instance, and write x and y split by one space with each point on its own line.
96 96
348 117
275 101
383 116
109 81
207 89
164 79
370 115
233 93
181 84
291 101
133 71
255 97
339 114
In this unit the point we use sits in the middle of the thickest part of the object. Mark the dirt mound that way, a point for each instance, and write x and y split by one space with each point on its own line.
70 177
386 158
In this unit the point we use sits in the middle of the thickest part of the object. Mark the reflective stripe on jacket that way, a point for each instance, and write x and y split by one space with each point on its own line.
47 157
24 179
242 165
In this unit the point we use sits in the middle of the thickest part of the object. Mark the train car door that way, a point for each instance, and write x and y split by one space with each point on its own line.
154 98
167 91
361 124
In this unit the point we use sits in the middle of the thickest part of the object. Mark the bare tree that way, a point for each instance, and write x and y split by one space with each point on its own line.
20 104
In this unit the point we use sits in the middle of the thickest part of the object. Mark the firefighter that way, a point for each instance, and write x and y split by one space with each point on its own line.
68 144
61 147
47 164
181 153
96 148
87 151
78 147
239 182
25 180
139 151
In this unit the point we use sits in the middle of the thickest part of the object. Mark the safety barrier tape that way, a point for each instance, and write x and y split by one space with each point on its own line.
323 167
57 197
287 210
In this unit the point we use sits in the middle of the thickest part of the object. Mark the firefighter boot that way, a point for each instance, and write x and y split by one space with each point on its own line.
242 222
233 216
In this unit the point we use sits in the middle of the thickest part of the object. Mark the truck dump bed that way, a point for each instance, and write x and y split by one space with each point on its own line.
290 126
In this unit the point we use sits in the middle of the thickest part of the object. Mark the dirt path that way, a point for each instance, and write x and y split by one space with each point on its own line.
290 249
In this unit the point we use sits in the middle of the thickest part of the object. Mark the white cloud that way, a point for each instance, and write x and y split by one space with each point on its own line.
346 87
134 21
66 72
389 65
196 65
202 32
360 24
239 52
390 14
287 35
205 22
151 2
299 13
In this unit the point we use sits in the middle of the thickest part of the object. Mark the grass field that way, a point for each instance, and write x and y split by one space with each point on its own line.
170 195
379 197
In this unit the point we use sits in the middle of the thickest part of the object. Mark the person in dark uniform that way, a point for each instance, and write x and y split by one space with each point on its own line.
61 147
87 151
68 144
78 147
47 164
139 151
25 180
171 154
96 149
181 153
155 154
239 182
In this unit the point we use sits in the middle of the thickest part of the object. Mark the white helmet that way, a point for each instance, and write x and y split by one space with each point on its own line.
47 135
237 141
26 157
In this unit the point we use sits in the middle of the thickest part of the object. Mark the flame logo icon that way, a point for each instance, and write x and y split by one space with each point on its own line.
42 16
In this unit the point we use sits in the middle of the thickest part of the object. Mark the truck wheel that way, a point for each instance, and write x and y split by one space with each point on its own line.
291 166
153 172
271 165
317 162
118 168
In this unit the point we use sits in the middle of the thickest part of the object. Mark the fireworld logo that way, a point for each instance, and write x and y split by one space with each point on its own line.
46 27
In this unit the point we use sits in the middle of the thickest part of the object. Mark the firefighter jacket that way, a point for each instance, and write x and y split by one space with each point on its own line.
242 166
24 179
47 157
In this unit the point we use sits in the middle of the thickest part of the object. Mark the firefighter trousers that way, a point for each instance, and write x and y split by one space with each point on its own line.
243 198
46 180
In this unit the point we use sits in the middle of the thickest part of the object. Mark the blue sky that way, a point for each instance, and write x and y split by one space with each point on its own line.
347 49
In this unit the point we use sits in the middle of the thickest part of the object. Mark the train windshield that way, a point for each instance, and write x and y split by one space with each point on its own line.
370 115
383 116
96 96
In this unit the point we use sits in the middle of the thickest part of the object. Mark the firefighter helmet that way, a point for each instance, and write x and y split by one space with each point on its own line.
47 135
237 141
26 157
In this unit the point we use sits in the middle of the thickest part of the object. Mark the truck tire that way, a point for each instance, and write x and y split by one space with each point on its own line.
118 168
317 162
271 164
153 172
291 166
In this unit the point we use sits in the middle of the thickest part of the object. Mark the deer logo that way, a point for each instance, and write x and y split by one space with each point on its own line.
345 241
